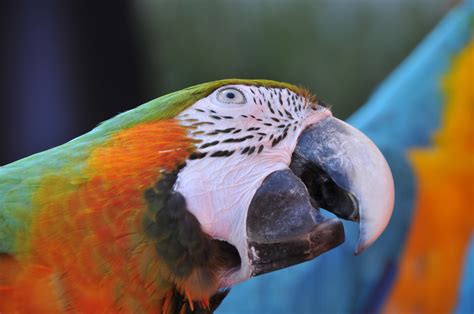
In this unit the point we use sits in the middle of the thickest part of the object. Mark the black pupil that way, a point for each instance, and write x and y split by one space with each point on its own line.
230 95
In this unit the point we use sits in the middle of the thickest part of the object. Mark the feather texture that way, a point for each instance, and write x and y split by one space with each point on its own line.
86 237
74 219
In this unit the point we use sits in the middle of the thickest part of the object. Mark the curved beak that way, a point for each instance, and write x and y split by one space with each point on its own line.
334 167
364 189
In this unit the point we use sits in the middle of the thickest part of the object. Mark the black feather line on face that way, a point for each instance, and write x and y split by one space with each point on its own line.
197 155
289 115
238 140
222 153
270 107
205 145
252 149
217 131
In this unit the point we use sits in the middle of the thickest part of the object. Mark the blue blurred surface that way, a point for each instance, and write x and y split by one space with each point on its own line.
466 295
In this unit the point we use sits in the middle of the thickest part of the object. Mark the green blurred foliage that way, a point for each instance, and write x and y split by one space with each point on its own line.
340 49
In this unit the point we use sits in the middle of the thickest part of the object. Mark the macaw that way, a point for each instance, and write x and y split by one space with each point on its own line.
165 207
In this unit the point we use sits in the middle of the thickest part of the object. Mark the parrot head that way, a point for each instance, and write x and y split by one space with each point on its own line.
269 158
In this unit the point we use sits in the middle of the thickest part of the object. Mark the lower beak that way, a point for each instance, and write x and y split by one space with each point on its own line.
334 167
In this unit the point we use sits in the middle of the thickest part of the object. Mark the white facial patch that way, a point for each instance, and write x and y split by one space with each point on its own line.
244 134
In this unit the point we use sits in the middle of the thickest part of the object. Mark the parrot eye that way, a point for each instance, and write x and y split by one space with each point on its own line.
231 96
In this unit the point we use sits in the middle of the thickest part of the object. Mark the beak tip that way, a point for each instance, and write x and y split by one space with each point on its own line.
371 229
361 247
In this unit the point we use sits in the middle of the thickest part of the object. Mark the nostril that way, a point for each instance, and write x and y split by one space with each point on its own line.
323 104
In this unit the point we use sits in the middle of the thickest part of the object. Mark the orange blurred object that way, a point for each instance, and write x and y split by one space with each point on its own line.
443 223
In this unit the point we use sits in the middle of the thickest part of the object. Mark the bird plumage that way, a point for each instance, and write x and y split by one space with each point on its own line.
79 226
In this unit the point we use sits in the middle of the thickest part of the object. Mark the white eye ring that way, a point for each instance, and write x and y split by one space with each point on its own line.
231 95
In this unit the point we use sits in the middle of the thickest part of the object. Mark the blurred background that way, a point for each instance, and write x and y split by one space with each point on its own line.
68 65
402 71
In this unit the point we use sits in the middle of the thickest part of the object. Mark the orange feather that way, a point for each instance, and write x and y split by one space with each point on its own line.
87 250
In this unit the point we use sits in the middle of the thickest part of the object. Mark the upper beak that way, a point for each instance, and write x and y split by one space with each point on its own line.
356 166
334 167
